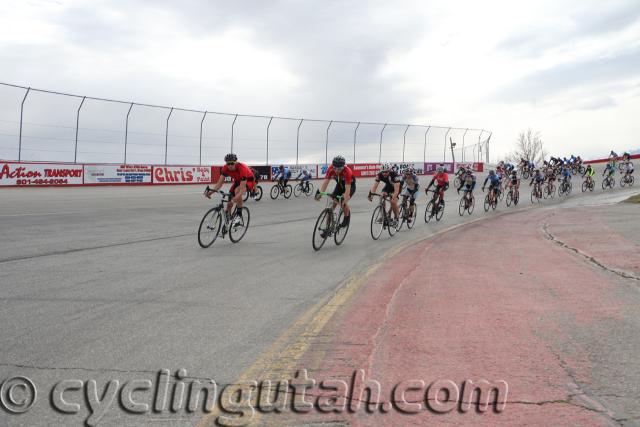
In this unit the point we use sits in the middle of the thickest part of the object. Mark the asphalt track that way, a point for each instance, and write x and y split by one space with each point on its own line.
110 284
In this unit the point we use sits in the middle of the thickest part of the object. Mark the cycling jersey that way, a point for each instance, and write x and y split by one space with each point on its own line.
342 178
538 178
441 179
410 182
306 176
241 173
493 180
629 168
589 172
468 182
391 178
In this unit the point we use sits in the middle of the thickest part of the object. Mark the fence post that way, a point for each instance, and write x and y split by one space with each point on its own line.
201 123
298 142
404 141
424 160
268 126
21 113
380 152
487 147
355 136
463 136
232 126
126 133
75 151
166 136
444 156
326 145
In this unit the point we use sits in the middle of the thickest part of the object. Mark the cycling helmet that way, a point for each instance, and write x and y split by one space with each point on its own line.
338 162
492 172
409 171
281 167
385 167
230 158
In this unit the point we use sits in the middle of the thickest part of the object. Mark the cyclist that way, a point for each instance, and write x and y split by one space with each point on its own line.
610 169
508 168
613 155
514 181
495 182
566 176
539 179
391 188
345 186
242 178
283 175
626 157
441 179
306 176
410 185
256 178
469 184
628 171
589 172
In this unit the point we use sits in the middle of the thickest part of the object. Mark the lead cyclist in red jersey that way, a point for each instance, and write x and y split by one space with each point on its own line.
241 176
345 185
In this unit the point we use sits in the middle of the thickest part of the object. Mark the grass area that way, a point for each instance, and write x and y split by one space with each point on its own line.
633 199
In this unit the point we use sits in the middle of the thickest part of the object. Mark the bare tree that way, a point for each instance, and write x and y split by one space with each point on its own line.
528 146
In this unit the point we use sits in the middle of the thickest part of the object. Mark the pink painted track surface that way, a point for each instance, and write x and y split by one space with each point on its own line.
495 300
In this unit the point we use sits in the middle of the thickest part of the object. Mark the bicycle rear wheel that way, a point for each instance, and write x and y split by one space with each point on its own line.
413 217
237 231
311 188
487 205
341 232
258 193
509 198
377 222
403 216
462 207
287 191
472 205
209 227
391 228
323 225
275 192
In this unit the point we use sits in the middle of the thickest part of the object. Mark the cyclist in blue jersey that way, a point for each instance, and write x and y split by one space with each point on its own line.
283 175
306 176
495 182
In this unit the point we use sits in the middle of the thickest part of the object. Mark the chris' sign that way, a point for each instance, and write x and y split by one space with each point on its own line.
181 174
40 174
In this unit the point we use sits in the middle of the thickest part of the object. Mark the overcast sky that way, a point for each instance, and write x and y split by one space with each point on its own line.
569 69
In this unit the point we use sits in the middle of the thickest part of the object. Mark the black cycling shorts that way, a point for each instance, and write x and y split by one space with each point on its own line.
339 190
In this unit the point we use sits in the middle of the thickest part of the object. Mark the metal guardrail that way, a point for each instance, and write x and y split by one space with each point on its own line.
479 149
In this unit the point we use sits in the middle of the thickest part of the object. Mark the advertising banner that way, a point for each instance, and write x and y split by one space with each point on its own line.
417 167
430 168
117 174
360 170
296 169
40 174
182 174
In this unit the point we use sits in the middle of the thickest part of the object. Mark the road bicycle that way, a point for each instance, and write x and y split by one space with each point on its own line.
513 196
609 182
565 188
301 189
279 188
588 184
622 166
217 222
258 191
383 217
434 208
627 180
491 199
328 223
467 203
536 193
549 191
405 207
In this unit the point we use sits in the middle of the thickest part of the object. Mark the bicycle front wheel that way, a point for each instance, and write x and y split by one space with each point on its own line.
377 222
341 232
487 205
427 212
297 190
258 193
311 188
463 206
509 198
472 205
412 217
239 229
440 211
321 229
209 227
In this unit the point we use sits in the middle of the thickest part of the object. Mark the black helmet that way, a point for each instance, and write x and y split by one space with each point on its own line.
230 158
338 162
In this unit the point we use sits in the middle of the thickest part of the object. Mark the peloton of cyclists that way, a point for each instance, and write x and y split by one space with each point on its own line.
391 180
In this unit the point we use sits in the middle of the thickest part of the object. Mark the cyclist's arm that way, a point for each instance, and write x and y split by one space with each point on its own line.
374 187
324 185
396 190
219 183
347 193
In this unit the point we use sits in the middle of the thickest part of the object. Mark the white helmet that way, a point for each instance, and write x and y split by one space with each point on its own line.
385 167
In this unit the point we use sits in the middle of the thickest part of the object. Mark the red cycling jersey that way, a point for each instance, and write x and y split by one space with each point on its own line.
345 176
241 173
441 178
